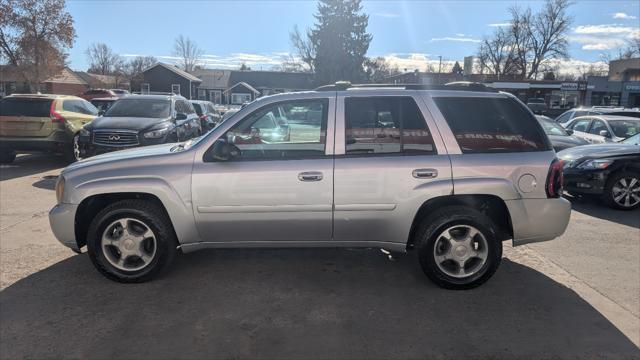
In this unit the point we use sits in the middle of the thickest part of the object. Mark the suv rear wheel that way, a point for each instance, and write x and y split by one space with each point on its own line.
457 248
7 156
131 241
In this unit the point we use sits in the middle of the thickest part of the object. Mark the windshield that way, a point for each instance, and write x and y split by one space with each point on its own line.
634 140
553 128
625 128
140 108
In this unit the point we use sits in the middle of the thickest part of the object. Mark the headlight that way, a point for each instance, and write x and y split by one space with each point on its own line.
595 164
85 132
155 134
60 188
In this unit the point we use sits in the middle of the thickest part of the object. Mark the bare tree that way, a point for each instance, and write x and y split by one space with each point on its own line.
188 52
291 64
303 47
34 35
547 33
133 69
530 42
102 60
379 69
496 54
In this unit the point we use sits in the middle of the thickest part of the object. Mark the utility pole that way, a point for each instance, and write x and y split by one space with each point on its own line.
439 69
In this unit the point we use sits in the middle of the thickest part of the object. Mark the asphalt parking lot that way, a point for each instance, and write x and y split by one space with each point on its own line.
575 297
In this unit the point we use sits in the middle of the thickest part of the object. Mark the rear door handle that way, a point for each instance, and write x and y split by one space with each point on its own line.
425 173
310 176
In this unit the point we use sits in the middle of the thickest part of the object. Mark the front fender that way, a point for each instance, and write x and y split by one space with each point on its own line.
179 211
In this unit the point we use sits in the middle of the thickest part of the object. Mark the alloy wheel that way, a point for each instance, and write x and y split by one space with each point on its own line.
76 147
129 244
460 251
626 192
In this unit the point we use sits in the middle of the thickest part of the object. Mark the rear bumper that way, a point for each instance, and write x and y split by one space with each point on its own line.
536 220
62 220
56 142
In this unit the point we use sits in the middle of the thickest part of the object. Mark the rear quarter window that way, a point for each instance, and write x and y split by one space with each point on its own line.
492 125
25 107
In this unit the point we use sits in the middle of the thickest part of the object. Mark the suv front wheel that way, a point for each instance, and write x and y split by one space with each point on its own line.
457 248
131 241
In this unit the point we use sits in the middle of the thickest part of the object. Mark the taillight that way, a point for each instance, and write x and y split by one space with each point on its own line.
55 116
203 117
555 178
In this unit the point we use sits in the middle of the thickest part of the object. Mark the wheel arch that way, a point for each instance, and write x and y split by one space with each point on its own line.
491 205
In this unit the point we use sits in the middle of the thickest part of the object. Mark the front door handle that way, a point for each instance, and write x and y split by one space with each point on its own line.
425 173
310 176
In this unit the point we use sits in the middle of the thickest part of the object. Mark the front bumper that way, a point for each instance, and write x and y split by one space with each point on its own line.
536 220
585 181
62 220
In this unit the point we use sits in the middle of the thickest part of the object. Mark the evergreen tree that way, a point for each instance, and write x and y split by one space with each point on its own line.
457 69
340 41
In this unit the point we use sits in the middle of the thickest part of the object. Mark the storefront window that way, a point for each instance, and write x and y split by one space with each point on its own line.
560 99
602 98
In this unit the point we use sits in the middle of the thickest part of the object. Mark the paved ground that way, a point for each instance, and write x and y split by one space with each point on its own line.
575 297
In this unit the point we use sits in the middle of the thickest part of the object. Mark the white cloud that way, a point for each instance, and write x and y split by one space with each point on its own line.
621 15
387 15
459 39
590 42
499 24
605 29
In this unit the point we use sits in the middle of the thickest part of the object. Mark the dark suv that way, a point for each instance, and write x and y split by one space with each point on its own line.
138 121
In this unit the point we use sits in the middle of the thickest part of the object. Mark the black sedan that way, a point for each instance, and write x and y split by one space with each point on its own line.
611 171
560 137
139 121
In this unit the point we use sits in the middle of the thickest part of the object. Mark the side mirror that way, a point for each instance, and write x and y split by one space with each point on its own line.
569 131
605 133
181 116
223 151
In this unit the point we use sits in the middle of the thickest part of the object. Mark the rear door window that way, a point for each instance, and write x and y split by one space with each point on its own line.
486 125
25 107
385 125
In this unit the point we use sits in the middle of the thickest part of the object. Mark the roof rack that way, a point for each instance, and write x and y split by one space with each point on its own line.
457 86
155 93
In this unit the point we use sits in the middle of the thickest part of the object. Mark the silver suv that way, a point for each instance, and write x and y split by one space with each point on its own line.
448 172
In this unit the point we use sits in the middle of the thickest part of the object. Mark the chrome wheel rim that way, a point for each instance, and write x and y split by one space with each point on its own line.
626 192
76 147
129 244
460 251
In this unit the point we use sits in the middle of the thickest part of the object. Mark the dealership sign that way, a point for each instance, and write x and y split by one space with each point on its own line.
632 87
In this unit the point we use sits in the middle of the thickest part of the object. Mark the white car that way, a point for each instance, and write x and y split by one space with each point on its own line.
598 129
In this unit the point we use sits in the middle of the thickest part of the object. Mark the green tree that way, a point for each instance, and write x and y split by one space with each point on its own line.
340 41
457 69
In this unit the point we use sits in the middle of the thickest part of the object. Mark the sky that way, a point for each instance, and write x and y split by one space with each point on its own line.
410 34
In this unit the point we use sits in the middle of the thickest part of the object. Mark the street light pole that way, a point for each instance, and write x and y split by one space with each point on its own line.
439 69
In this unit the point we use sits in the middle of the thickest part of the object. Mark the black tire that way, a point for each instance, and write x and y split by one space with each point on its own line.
7 157
432 226
608 194
151 215
69 152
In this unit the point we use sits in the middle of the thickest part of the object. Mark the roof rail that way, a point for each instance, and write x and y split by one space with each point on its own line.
458 86
156 93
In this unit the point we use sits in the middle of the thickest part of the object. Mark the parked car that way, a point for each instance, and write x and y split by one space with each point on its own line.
450 176
209 116
138 121
103 104
97 93
49 123
227 114
560 137
120 92
604 128
537 105
611 171
569 115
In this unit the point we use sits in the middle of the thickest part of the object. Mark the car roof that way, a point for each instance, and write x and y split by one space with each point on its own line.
605 117
42 96
112 98
152 97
